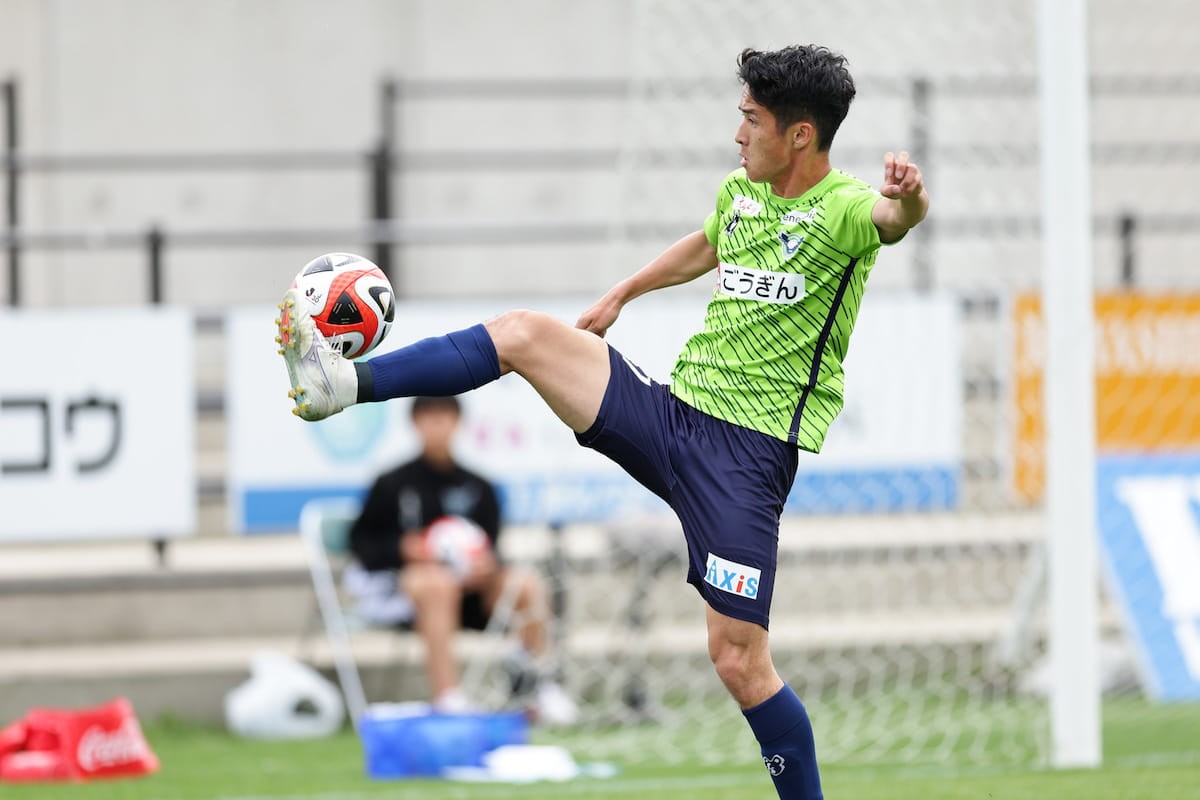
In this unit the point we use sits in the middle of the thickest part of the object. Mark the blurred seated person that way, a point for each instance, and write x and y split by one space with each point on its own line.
410 580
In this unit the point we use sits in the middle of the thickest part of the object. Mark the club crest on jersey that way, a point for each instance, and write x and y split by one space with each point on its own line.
732 577
791 243
745 206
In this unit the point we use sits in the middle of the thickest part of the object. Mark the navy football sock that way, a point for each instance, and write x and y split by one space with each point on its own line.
781 726
438 366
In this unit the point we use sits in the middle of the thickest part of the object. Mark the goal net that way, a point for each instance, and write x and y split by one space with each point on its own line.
909 604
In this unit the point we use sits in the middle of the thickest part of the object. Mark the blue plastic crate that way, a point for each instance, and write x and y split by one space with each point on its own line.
423 745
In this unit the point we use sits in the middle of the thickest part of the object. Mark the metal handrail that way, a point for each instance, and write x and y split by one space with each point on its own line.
388 157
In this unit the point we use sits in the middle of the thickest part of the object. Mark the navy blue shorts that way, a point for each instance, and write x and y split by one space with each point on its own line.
727 484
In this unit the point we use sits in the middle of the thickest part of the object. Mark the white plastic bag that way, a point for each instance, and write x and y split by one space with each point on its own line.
283 699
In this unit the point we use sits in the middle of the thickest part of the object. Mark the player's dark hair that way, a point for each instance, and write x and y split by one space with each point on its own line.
423 404
800 83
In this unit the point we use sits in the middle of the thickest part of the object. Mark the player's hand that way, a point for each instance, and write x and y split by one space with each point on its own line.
600 317
413 547
482 571
901 177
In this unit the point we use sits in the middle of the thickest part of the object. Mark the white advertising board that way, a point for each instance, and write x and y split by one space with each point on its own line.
97 424
904 424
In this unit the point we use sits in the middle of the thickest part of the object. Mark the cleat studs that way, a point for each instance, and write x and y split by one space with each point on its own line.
278 340
292 393
280 351
296 412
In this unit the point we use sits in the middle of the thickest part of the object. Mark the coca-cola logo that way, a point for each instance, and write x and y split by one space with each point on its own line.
100 748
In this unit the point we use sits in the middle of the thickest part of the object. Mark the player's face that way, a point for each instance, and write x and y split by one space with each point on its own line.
436 427
766 153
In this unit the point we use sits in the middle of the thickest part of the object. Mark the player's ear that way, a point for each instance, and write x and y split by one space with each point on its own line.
802 134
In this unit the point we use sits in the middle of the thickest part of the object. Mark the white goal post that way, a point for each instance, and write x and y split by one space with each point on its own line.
1067 292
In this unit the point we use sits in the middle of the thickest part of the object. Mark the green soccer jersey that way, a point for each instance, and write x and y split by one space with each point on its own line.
790 280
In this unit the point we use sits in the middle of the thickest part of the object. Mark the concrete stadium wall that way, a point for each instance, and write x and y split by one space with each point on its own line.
136 76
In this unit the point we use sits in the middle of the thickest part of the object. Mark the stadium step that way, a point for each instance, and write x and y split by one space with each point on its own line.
188 678
119 592
83 622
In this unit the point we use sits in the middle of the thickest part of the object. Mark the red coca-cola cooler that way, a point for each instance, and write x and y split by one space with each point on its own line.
49 744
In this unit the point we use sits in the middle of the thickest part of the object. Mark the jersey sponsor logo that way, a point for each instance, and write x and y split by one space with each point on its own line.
760 285
775 765
732 577
746 207
797 217
791 243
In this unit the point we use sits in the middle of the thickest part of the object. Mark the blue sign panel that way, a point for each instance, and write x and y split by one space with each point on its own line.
1149 520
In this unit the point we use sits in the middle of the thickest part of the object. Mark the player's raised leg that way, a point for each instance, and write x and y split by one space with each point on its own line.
740 654
568 367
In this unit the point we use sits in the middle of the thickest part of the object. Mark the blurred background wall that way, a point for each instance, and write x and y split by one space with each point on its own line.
269 77
260 116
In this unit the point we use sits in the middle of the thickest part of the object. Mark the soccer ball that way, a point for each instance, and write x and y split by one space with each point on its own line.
350 300
457 542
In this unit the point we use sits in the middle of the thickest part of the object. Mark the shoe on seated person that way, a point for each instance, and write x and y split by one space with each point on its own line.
454 701
553 706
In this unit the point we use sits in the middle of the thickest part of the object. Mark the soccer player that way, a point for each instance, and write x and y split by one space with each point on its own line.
792 242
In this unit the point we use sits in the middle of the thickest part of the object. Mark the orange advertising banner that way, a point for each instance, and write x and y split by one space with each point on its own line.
1147 379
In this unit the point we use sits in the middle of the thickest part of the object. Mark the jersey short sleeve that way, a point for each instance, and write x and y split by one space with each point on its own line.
851 209
711 223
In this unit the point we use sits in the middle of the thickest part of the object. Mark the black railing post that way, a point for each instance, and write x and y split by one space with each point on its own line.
919 151
154 260
382 210
381 205
1127 231
12 175
557 569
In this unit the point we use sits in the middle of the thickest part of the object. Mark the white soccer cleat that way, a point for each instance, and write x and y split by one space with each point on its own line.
323 383
553 706
455 701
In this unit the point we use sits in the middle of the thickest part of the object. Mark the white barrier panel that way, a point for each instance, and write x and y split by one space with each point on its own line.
97 424
902 427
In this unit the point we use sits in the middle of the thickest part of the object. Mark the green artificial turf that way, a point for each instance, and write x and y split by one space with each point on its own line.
1151 752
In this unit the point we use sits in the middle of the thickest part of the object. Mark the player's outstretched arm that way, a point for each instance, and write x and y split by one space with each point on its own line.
905 201
686 260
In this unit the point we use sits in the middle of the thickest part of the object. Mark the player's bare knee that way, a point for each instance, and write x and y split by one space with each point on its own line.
734 667
529 587
429 583
517 335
